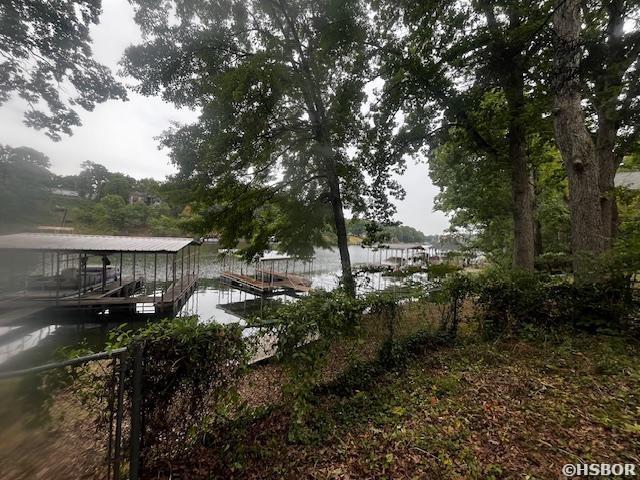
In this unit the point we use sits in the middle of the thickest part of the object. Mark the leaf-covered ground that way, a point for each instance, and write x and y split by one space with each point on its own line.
513 408
505 409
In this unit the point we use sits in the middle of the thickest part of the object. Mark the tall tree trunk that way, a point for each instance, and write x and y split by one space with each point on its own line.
511 79
521 181
573 139
608 162
539 247
316 111
537 225
523 217
608 85
341 232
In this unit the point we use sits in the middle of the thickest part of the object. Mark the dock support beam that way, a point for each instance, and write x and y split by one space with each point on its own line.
155 270
166 274
181 272
79 276
57 277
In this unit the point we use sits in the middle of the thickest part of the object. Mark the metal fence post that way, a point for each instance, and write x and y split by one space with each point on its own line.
136 415
119 409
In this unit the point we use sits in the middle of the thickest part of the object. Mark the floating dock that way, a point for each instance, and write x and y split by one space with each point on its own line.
267 283
270 275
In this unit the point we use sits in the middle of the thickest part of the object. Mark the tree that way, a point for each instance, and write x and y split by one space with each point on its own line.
448 57
24 182
68 182
149 186
573 138
118 184
91 179
596 117
474 186
405 234
280 84
44 45
610 82
112 215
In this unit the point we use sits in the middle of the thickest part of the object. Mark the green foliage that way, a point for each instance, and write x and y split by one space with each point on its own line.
441 269
507 300
276 152
112 215
26 201
189 378
304 330
631 163
552 202
474 186
468 125
166 226
91 180
44 45
628 242
24 180
554 263
375 233
118 184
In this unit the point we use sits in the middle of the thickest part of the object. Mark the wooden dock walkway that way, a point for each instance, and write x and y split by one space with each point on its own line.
169 301
295 282
118 298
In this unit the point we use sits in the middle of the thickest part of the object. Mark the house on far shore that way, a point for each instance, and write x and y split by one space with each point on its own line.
142 197
629 180
63 192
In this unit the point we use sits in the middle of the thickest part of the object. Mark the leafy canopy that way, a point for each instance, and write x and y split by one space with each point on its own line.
45 49
24 178
280 86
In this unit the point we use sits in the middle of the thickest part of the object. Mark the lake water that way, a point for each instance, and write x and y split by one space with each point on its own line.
39 341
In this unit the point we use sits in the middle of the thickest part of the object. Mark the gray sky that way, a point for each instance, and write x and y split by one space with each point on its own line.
121 135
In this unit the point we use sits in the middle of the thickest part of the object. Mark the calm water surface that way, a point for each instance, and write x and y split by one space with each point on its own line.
41 340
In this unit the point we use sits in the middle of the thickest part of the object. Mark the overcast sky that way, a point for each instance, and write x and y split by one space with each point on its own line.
121 135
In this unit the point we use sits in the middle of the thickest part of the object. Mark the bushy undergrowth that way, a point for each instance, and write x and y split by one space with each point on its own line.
303 332
505 300
190 371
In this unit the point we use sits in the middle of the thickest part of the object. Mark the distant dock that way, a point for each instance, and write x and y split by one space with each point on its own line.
265 277
267 283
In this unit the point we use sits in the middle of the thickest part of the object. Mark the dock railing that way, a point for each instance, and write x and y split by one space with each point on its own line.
125 387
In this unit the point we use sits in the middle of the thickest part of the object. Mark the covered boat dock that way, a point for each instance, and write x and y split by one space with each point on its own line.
271 274
94 274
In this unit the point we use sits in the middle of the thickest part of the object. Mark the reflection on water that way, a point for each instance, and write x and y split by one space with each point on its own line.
213 301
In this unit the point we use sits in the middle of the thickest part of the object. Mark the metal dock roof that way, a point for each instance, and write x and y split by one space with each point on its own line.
628 179
93 243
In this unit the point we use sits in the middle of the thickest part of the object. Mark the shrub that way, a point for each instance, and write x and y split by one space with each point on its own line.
507 299
189 375
303 332
554 263
442 269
